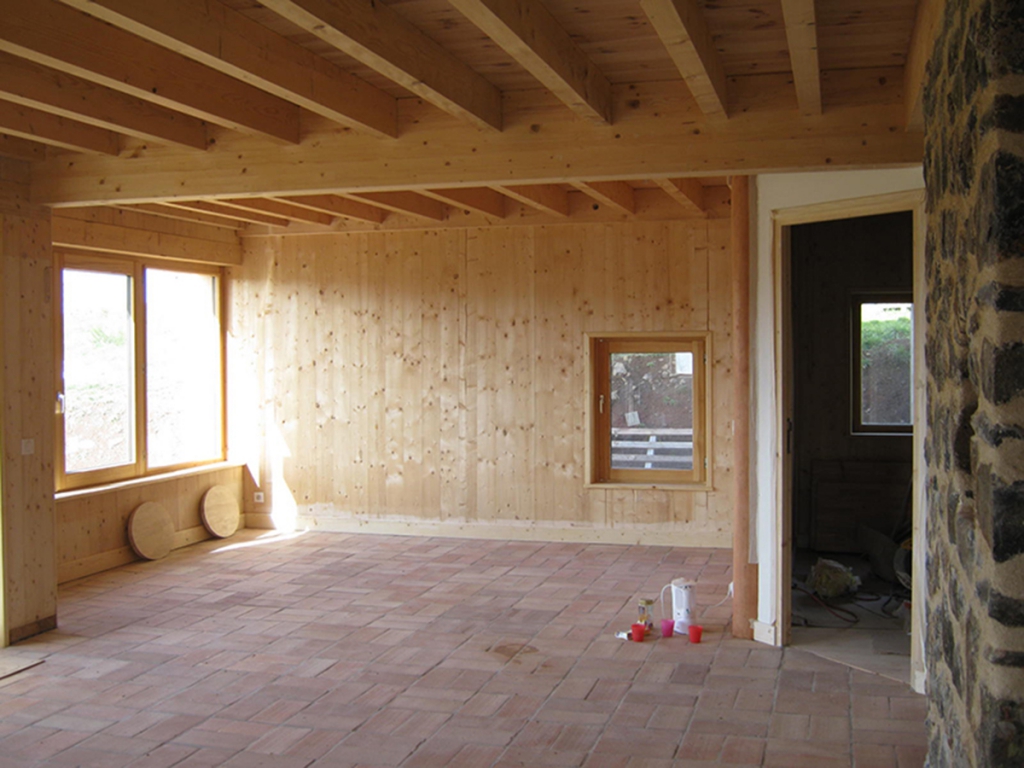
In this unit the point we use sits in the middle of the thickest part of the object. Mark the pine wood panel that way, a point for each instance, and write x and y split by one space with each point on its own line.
30 599
92 526
438 377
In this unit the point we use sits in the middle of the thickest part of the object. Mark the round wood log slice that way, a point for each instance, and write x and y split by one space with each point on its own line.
150 531
219 511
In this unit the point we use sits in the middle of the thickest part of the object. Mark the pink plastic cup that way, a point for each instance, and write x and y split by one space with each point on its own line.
667 625
695 632
638 632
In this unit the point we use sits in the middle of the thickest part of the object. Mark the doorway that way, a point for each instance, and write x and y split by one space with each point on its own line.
849 442
847 486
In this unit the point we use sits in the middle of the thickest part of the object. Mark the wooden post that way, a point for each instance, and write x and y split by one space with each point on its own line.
744 573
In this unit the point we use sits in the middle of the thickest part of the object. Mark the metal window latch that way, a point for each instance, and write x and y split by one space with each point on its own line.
600 404
60 404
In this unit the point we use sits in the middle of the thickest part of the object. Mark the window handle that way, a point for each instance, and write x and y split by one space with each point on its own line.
600 404
60 404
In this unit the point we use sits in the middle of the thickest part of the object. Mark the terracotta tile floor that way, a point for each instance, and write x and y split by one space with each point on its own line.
339 650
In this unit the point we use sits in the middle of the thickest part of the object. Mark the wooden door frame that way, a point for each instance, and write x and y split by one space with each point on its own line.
782 220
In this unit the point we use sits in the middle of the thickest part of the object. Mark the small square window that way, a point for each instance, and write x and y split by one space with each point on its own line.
883 357
648 410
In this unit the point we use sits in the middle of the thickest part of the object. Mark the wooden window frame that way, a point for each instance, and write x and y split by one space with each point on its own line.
134 268
857 427
600 347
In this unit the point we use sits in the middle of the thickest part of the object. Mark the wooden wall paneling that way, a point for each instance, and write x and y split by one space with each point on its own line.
557 370
374 376
516 378
429 396
451 358
351 426
409 383
687 278
282 357
329 397
720 360
92 525
308 440
594 305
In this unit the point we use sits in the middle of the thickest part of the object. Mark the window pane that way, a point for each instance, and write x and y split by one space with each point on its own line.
99 405
885 363
652 410
183 371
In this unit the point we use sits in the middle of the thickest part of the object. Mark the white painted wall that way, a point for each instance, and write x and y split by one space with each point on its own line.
770 193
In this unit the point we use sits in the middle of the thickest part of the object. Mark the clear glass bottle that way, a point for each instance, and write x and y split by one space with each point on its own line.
645 613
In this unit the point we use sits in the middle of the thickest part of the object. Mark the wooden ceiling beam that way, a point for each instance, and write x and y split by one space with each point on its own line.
378 37
230 212
527 32
411 203
802 37
56 36
34 125
436 153
689 193
59 93
926 27
489 202
18 148
181 214
681 26
282 209
339 206
223 39
549 198
617 194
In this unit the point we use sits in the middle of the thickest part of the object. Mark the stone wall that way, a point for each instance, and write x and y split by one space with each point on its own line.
974 171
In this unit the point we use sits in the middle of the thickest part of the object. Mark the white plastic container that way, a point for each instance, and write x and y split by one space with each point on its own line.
684 604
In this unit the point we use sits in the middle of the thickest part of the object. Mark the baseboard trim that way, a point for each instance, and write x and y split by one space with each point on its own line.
17 634
765 633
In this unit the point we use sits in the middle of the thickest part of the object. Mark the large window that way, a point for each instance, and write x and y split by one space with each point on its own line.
140 375
883 364
649 409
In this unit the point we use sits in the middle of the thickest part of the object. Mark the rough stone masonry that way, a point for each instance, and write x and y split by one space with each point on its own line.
974 173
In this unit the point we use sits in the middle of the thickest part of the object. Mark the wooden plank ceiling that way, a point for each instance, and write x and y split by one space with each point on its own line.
318 115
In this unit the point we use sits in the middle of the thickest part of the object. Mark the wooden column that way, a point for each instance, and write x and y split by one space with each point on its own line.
29 580
744 602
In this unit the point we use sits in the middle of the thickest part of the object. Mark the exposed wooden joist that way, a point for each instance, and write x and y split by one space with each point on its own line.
756 139
21 149
479 199
407 202
172 212
544 197
681 26
689 193
69 232
929 14
278 208
51 34
377 36
211 33
34 125
339 206
31 85
229 212
802 37
527 31
617 194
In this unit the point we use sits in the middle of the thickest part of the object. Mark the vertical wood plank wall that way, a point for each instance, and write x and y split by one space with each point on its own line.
30 578
435 381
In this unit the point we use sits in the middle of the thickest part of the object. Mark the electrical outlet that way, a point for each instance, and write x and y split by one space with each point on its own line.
258 497
28 447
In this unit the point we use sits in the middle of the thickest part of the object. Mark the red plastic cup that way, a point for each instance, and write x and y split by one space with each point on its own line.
667 626
695 632
638 632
